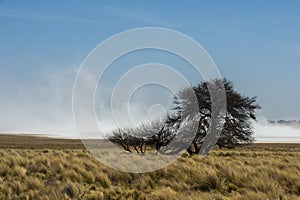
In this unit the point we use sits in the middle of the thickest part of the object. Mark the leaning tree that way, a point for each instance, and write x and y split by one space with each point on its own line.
154 135
194 117
236 120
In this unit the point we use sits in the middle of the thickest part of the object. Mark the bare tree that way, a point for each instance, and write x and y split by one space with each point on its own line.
154 135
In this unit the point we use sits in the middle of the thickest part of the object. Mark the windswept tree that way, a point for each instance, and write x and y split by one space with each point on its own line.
124 138
154 135
236 119
194 117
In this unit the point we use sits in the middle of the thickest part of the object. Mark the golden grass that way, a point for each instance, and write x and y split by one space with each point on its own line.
266 172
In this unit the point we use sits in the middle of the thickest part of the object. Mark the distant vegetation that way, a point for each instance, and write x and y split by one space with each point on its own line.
291 123
258 171
191 121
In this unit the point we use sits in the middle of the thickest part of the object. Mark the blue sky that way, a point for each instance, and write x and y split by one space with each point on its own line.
255 44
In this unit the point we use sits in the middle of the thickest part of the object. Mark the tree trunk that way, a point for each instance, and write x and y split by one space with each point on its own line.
190 151
197 149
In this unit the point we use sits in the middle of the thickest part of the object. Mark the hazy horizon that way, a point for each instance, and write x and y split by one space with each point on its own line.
255 45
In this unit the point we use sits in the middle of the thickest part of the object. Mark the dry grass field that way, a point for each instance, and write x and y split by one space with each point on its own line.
43 168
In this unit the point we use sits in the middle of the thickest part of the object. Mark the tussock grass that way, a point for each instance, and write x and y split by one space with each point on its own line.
243 173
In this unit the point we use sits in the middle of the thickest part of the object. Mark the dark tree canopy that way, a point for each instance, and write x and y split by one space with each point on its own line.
193 108
237 118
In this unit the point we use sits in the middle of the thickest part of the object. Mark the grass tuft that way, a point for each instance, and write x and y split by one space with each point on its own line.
243 173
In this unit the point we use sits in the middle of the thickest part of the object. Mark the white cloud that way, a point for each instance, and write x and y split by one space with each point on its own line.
139 16
268 132
34 15
42 105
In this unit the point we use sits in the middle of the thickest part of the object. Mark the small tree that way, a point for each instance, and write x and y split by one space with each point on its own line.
155 135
